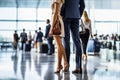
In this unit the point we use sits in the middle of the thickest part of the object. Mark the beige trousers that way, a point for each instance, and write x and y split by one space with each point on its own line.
39 46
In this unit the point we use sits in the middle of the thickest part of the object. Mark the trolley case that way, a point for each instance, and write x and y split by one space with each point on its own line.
44 48
27 47
97 46
93 46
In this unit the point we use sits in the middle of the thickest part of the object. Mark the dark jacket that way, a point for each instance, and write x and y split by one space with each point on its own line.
23 36
72 8
47 32
39 36
16 38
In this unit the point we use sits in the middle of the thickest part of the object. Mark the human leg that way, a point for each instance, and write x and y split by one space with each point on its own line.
38 46
59 55
49 47
66 39
85 42
84 56
66 65
22 43
76 39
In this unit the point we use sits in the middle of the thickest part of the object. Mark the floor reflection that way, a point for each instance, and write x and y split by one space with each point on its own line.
15 62
36 66
49 74
26 57
85 74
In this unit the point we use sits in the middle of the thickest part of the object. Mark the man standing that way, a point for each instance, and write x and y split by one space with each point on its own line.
39 39
71 12
23 36
49 39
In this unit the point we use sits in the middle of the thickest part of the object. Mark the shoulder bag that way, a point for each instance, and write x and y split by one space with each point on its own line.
82 27
57 27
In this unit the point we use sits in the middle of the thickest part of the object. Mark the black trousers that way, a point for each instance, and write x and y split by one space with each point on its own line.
84 39
23 44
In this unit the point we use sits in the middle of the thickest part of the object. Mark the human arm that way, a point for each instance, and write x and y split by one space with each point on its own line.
47 31
90 29
54 17
82 6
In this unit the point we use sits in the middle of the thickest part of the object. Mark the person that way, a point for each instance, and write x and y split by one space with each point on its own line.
30 38
71 12
56 6
35 41
49 39
85 37
16 39
23 37
29 42
39 39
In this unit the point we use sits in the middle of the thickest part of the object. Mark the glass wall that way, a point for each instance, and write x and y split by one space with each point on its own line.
105 18
105 21
7 13
18 18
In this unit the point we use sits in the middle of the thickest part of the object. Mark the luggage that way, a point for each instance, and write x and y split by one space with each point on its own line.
93 46
109 45
44 48
114 48
90 46
27 47
53 48
97 46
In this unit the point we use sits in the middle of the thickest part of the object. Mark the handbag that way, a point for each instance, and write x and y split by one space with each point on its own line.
82 27
57 27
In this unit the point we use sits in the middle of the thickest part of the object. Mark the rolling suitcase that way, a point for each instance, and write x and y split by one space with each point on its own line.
93 46
90 46
97 46
44 48
27 47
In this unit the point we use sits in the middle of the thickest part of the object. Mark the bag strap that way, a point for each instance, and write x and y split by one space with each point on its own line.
82 24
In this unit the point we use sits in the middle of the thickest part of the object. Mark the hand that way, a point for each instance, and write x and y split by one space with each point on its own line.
44 38
50 33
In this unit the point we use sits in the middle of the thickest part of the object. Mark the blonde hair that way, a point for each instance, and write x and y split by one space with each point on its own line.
52 6
85 15
63 1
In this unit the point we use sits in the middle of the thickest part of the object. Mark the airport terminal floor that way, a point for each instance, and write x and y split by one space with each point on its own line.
104 65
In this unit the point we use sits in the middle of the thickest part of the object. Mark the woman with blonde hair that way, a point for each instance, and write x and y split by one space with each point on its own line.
56 7
85 37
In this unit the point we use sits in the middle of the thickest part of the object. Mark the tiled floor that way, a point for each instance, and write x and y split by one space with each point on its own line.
35 66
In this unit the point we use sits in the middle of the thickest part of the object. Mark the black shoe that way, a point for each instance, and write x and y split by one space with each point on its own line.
77 71
49 54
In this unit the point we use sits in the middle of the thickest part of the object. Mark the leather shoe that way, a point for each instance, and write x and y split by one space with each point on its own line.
77 71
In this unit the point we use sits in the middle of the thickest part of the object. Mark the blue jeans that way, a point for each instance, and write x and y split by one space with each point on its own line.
73 26
50 46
